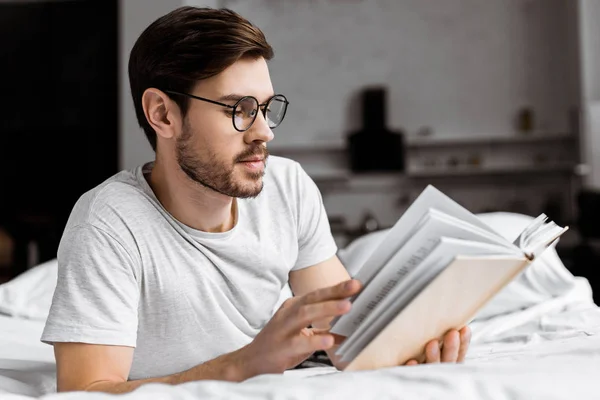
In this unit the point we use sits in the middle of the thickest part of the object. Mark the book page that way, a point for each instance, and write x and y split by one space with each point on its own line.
438 259
540 234
433 225
403 228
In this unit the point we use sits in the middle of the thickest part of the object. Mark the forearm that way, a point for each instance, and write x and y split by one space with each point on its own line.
228 367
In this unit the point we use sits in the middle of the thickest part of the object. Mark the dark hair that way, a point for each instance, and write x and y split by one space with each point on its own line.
187 45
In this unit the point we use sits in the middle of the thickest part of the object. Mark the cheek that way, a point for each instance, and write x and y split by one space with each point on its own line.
215 137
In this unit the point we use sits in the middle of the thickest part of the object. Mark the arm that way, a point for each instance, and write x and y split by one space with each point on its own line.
283 343
93 319
326 273
103 368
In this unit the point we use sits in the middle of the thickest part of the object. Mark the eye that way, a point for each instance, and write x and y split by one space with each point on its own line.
229 112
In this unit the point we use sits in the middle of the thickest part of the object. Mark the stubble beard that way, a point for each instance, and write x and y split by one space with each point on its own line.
219 176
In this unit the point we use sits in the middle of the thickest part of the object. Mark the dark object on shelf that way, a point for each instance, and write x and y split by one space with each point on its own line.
525 120
374 147
453 162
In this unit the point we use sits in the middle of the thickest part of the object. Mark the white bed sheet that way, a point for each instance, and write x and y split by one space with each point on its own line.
549 351
26 365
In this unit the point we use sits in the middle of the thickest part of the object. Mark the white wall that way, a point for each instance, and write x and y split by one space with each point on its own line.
135 16
589 13
462 67
589 39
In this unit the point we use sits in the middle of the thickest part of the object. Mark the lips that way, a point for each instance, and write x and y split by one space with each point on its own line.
253 160
254 155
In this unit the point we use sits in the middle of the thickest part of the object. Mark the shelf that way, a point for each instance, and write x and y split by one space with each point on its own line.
503 170
310 148
486 141
331 175
369 179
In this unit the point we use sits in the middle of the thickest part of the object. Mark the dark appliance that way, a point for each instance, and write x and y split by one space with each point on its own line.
375 147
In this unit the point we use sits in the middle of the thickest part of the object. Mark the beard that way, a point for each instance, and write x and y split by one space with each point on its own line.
220 176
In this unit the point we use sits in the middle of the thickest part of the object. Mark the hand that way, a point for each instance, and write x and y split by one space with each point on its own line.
453 348
286 341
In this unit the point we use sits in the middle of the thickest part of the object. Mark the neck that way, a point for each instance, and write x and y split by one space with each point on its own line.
189 202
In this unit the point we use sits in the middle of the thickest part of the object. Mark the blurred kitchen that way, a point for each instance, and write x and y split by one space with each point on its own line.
497 103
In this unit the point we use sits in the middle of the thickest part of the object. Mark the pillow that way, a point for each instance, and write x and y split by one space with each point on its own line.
29 295
545 278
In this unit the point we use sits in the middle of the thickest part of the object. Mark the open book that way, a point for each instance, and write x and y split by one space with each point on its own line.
435 269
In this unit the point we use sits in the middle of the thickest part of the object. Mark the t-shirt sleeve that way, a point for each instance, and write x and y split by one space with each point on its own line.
315 241
97 293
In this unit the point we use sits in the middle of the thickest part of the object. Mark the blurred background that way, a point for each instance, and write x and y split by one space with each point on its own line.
496 103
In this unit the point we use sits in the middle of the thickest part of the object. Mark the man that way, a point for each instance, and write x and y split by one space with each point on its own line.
172 272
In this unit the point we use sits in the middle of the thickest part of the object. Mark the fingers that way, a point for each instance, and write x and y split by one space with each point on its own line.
305 314
432 352
320 304
412 362
450 346
465 340
453 347
342 290
338 339
309 344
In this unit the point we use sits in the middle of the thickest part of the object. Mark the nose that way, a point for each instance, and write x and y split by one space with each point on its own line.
259 131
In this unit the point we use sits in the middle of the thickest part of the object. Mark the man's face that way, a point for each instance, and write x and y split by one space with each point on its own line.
209 149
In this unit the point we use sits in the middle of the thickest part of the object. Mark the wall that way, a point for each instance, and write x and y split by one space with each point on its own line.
462 67
589 13
135 16
589 39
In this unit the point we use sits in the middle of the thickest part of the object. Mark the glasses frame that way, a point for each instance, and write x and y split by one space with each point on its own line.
261 107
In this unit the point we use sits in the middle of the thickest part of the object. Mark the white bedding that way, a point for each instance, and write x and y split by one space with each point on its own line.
551 351
26 365
540 339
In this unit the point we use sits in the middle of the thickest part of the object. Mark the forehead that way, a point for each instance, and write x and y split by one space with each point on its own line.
247 76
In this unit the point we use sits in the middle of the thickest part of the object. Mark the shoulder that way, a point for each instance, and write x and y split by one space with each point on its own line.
111 203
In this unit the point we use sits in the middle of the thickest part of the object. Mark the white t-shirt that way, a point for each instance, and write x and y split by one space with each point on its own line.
130 274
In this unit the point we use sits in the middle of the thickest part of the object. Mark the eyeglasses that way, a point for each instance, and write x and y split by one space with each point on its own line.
245 110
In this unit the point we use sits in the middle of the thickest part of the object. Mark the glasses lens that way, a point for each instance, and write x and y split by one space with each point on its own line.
276 110
245 113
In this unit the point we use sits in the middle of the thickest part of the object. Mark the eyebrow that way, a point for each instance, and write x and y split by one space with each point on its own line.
235 97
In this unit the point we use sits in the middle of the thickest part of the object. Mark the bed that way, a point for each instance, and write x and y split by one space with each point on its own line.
537 339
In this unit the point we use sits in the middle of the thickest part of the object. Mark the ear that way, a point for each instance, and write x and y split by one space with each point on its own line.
161 112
